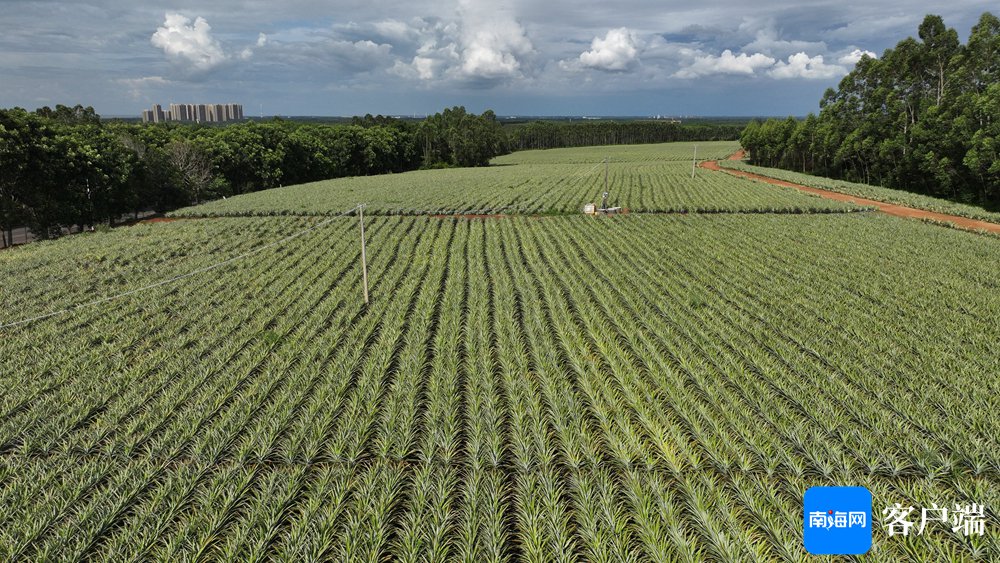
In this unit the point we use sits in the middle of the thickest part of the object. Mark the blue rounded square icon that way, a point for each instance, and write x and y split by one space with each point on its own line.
837 520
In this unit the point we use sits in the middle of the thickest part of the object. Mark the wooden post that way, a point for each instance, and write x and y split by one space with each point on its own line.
694 160
364 259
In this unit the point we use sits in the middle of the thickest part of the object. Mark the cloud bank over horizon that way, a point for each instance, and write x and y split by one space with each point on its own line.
305 57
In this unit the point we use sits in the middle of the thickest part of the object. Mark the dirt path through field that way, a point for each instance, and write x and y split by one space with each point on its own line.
160 220
888 208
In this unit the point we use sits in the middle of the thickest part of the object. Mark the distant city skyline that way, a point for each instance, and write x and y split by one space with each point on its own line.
197 113
307 57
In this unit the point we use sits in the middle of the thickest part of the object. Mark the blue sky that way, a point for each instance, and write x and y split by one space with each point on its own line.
310 57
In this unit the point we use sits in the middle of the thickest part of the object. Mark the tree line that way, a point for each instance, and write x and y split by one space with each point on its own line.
924 117
555 134
66 167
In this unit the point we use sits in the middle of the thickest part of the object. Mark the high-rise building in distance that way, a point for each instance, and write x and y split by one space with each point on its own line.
197 113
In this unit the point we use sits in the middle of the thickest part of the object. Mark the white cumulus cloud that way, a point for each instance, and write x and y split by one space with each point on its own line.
137 86
247 52
189 42
801 65
437 52
493 42
426 67
726 63
617 51
768 41
394 29
852 58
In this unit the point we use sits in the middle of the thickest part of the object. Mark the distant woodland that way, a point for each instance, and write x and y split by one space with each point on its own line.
924 117
555 134
66 166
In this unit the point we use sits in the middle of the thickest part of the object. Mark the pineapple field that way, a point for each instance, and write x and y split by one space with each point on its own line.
536 385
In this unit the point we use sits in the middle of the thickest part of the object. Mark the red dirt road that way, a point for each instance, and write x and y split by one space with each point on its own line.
887 208
160 220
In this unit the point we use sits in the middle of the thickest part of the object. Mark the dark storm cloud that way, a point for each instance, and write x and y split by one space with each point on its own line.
316 57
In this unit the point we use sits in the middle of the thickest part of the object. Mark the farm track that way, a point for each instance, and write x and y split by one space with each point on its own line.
888 208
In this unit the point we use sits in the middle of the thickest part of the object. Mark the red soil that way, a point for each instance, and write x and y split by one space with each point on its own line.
887 208
160 220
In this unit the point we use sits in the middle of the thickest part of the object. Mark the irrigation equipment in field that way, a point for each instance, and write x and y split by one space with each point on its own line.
604 209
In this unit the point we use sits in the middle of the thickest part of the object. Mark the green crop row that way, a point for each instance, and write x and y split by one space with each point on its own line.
642 178
682 152
626 388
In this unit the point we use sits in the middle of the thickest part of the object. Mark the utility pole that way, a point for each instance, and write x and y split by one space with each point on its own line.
694 160
605 174
364 259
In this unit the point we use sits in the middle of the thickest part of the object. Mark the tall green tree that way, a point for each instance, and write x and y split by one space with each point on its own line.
21 157
919 118
455 137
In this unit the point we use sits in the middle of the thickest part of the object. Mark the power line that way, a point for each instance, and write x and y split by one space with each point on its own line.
581 175
178 277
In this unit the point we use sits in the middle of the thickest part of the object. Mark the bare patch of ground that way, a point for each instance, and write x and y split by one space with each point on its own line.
887 208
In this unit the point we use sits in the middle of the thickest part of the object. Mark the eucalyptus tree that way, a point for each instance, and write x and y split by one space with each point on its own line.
920 118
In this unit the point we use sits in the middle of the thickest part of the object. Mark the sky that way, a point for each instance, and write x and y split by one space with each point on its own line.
521 57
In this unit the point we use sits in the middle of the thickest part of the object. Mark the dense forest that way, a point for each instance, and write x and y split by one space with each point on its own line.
65 166
924 117
556 134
